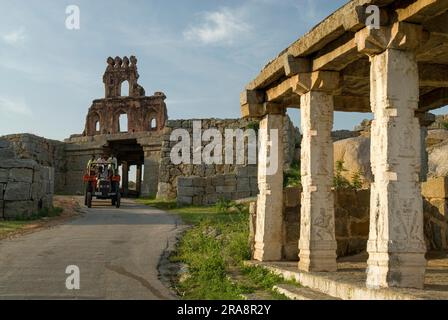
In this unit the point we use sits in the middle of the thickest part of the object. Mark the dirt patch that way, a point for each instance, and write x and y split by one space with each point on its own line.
71 208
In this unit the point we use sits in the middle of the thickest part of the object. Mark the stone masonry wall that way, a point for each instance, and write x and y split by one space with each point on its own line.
47 153
169 173
435 207
208 190
25 185
351 221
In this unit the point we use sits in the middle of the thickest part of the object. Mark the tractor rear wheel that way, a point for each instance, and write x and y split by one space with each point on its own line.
89 199
118 200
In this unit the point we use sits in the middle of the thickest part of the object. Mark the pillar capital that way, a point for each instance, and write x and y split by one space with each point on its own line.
324 81
400 36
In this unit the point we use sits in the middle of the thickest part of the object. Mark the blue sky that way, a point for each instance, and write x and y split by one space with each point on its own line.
201 53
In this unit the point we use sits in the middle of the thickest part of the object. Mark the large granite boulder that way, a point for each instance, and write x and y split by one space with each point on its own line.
355 153
438 160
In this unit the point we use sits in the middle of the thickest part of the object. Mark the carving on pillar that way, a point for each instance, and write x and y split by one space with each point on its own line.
143 113
317 244
268 237
396 243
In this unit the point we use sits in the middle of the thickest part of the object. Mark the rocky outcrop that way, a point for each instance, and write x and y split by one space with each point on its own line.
355 154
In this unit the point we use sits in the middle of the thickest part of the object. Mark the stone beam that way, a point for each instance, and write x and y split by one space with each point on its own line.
433 75
433 100
421 10
348 18
352 104
251 97
339 58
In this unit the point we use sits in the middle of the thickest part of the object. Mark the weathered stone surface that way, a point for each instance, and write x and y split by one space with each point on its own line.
268 237
317 243
14 209
4 175
355 154
18 191
396 241
21 175
436 136
435 188
438 161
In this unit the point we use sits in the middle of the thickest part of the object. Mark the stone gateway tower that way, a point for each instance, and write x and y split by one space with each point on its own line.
142 113
126 123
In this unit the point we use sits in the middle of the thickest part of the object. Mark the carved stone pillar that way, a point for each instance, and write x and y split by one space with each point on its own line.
269 224
396 243
425 119
317 244
151 172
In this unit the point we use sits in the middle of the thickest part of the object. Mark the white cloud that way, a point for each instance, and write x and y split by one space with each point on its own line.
15 106
14 37
218 27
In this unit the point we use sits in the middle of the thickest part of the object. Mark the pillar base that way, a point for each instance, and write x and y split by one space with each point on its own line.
263 252
321 259
401 270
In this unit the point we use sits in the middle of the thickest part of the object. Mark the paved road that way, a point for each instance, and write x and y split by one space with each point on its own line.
116 250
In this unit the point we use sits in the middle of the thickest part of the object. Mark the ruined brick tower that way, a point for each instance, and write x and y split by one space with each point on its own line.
143 113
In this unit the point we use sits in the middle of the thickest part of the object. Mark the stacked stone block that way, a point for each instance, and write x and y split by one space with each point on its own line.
195 190
435 204
169 172
25 186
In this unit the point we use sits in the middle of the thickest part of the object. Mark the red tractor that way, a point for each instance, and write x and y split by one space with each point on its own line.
102 182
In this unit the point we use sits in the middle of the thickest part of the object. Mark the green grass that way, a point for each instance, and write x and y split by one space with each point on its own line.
214 248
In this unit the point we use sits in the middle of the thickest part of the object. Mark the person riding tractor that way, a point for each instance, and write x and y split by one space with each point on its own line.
102 180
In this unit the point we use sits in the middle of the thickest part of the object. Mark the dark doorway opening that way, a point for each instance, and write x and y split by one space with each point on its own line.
131 158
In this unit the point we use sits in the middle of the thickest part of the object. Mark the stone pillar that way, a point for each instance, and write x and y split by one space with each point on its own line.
317 243
269 220
125 178
425 119
139 179
396 243
151 173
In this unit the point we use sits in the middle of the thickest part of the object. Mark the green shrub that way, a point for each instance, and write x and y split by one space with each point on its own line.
292 177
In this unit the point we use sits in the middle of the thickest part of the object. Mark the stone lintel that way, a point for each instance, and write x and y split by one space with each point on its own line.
251 97
252 110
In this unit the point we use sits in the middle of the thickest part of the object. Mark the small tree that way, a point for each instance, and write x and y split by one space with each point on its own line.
339 181
357 180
